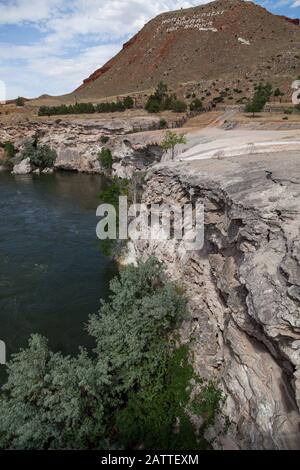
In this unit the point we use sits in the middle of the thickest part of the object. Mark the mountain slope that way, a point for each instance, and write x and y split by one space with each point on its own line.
223 39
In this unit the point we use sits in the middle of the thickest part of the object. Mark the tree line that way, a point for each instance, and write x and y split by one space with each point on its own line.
88 108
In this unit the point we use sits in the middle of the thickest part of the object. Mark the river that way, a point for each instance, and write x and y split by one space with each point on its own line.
52 274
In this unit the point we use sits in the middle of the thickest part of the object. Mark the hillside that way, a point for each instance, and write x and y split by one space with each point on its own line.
225 39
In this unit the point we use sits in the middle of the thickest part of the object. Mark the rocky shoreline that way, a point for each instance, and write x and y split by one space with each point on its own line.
78 142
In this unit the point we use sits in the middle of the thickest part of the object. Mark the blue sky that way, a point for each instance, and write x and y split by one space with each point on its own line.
50 46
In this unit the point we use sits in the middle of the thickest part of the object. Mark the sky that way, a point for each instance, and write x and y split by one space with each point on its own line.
50 46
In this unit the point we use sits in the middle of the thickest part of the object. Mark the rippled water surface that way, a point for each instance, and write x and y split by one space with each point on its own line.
51 272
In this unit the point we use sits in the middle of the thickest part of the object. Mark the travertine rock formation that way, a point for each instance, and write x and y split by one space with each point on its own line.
78 143
244 288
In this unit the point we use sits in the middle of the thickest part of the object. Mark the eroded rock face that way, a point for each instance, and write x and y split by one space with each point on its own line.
78 142
243 289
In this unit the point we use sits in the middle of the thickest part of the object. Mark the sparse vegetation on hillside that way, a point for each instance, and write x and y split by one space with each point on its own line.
162 101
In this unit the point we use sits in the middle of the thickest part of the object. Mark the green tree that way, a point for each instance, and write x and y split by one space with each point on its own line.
161 91
52 402
170 141
196 105
20 101
56 402
153 105
105 158
128 102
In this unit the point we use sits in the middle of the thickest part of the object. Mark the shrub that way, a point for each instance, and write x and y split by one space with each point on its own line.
208 402
132 392
153 105
196 105
128 102
20 101
41 156
179 106
104 139
163 124
44 157
105 158
9 149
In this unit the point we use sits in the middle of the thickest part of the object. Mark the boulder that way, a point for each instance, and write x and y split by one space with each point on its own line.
22 168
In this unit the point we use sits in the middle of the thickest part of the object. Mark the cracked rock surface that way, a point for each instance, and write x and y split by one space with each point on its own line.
243 287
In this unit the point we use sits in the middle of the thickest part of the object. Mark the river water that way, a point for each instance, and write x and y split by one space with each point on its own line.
52 274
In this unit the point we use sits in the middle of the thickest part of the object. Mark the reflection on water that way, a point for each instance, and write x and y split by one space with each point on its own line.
51 273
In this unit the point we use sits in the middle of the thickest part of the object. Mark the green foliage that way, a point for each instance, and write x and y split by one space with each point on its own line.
297 107
278 92
9 149
161 91
196 105
87 108
260 98
104 139
162 101
128 102
208 403
163 123
41 156
117 187
105 158
20 101
170 141
179 106
131 329
52 402
153 105
151 414
110 195
133 391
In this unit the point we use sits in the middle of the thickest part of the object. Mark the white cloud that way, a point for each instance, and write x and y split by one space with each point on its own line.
76 37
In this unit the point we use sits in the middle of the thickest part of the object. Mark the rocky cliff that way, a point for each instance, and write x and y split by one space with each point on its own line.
244 289
78 142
